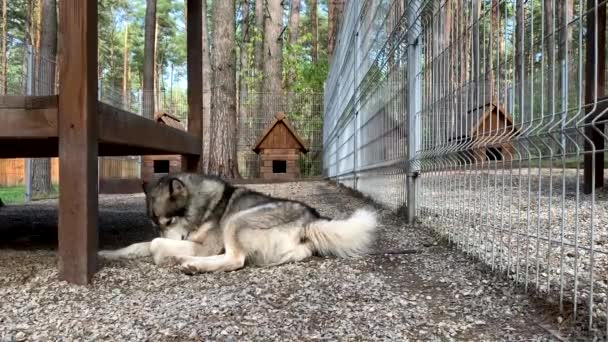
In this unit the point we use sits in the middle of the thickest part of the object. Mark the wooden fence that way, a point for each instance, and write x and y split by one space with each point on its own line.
12 171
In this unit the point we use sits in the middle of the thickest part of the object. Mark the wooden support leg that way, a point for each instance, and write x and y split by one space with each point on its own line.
78 131
595 80
194 37
589 166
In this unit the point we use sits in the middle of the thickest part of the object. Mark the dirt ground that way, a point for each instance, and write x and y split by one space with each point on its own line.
412 287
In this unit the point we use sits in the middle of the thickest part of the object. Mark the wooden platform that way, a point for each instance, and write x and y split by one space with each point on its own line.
77 128
30 129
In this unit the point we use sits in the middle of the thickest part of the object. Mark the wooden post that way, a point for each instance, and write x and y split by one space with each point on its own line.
78 132
194 33
594 81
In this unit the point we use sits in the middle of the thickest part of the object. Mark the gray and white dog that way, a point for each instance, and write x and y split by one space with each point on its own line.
207 225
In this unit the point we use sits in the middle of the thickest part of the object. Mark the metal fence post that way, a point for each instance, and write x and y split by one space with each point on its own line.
413 86
29 91
357 123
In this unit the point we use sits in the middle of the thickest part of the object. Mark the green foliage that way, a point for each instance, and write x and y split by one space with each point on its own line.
300 73
16 194
117 17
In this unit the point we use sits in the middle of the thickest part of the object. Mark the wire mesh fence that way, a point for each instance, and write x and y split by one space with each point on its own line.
28 72
365 104
501 106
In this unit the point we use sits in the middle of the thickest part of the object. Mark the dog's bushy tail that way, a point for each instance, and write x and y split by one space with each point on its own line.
346 238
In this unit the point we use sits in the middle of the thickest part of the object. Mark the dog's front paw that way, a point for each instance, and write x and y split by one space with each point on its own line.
188 267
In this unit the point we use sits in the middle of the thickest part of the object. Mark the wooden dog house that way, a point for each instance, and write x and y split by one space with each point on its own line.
488 130
159 165
279 147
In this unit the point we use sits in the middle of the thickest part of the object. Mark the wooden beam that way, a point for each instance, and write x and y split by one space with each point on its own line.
28 123
78 141
25 117
28 102
123 129
194 37
48 148
595 74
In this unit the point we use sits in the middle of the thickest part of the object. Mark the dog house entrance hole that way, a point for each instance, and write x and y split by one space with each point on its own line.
279 166
494 153
161 166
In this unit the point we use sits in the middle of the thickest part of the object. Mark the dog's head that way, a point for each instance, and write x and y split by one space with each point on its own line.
166 205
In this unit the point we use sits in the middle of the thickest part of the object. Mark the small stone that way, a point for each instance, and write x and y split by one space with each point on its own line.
20 336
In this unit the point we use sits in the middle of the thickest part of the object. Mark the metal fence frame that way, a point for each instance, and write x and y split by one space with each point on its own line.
408 120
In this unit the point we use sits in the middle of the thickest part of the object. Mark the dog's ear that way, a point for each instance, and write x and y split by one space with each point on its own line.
177 188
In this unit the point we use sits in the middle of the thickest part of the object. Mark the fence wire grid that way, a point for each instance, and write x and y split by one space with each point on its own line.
486 119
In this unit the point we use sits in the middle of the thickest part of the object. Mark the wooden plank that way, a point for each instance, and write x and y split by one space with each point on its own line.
24 123
595 85
28 102
42 148
78 133
278 151
120 128
280 157
275 181
194 41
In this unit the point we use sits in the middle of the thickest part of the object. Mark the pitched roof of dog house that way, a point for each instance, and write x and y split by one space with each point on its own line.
278 123
169 120
472 123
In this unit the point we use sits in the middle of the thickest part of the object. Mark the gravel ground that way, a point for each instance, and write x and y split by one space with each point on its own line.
422 291
507 219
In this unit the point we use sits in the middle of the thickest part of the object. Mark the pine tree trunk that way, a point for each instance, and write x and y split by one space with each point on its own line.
565 13
258 53
41 167
157 93
294 25
206 91
294 21
149 54
494 43
331 15
548 53
36 36
125 68
314 24
112 77
48 48
335 11
243 59
3 56
476 70
519 56
28 27
223 161
272 51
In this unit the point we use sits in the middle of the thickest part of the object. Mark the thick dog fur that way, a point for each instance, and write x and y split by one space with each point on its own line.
208 225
